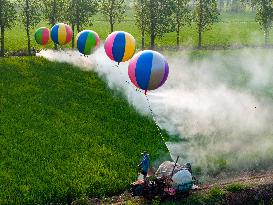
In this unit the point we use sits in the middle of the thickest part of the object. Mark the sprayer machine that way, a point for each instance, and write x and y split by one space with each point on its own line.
170 180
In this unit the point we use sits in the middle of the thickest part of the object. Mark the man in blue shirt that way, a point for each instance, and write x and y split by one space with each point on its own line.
145 164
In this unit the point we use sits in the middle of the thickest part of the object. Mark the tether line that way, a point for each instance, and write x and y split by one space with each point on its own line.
157 125
150 109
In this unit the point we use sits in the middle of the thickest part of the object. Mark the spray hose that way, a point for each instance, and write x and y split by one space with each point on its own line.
157 125
150 109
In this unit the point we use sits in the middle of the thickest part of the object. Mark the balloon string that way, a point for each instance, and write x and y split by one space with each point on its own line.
157 125
150 108
121 74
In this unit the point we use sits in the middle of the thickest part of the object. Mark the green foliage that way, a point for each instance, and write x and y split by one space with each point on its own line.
141 18
223 34
217 193
236 187
264 16
205 14
113 10
213 197
237 6
79 12
158 18
54 10
7 13
182 16
65 135
30 11
7 19
31 16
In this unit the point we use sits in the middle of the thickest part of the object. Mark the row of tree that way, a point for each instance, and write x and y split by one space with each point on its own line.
153 17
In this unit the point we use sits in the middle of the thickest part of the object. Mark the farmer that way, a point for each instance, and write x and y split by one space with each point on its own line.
145 164
188 166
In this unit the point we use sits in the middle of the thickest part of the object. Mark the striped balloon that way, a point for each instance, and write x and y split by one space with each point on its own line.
87 41
42 36
120 46
148 70
61 34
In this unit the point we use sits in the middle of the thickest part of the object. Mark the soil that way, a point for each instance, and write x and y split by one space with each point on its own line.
260 191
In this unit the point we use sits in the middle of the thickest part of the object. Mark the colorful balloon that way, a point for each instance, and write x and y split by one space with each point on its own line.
148 70
120 46
87 41
42 36
61 34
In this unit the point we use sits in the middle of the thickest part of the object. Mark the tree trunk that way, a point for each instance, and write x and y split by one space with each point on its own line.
73 37
111 20
2 41
142 39
28 27
152 41
153 25
200 39
200 25
28 41
78 28
178 36
111 23
78 19
53 20
266 37
142 27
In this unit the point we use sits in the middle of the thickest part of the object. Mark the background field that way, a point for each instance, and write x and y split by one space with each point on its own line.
64 134
233 29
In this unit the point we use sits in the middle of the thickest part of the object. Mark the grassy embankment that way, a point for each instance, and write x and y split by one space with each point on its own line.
64 134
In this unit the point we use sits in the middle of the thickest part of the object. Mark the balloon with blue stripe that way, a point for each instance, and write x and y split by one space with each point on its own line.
120 46
61 34
148 70
87 41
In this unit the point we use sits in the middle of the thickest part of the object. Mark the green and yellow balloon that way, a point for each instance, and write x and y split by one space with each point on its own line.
87 42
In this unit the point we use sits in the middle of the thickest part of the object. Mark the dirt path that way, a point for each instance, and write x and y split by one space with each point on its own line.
260 191
247 178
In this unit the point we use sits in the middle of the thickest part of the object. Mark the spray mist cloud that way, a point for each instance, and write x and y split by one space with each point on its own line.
220 106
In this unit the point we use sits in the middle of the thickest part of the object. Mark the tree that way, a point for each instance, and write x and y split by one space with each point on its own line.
221 5
141 17
79 13
181 16
157 17
205 14
264 17
7 19
54 11
113 10
31 17
237 6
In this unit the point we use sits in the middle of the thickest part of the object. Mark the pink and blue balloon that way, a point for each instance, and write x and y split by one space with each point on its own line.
120 46
148 70
87 41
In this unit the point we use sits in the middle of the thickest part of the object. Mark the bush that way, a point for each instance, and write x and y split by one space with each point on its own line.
236 187
217 193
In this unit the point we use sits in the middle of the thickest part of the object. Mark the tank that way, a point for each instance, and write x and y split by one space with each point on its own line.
182 180
166 169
